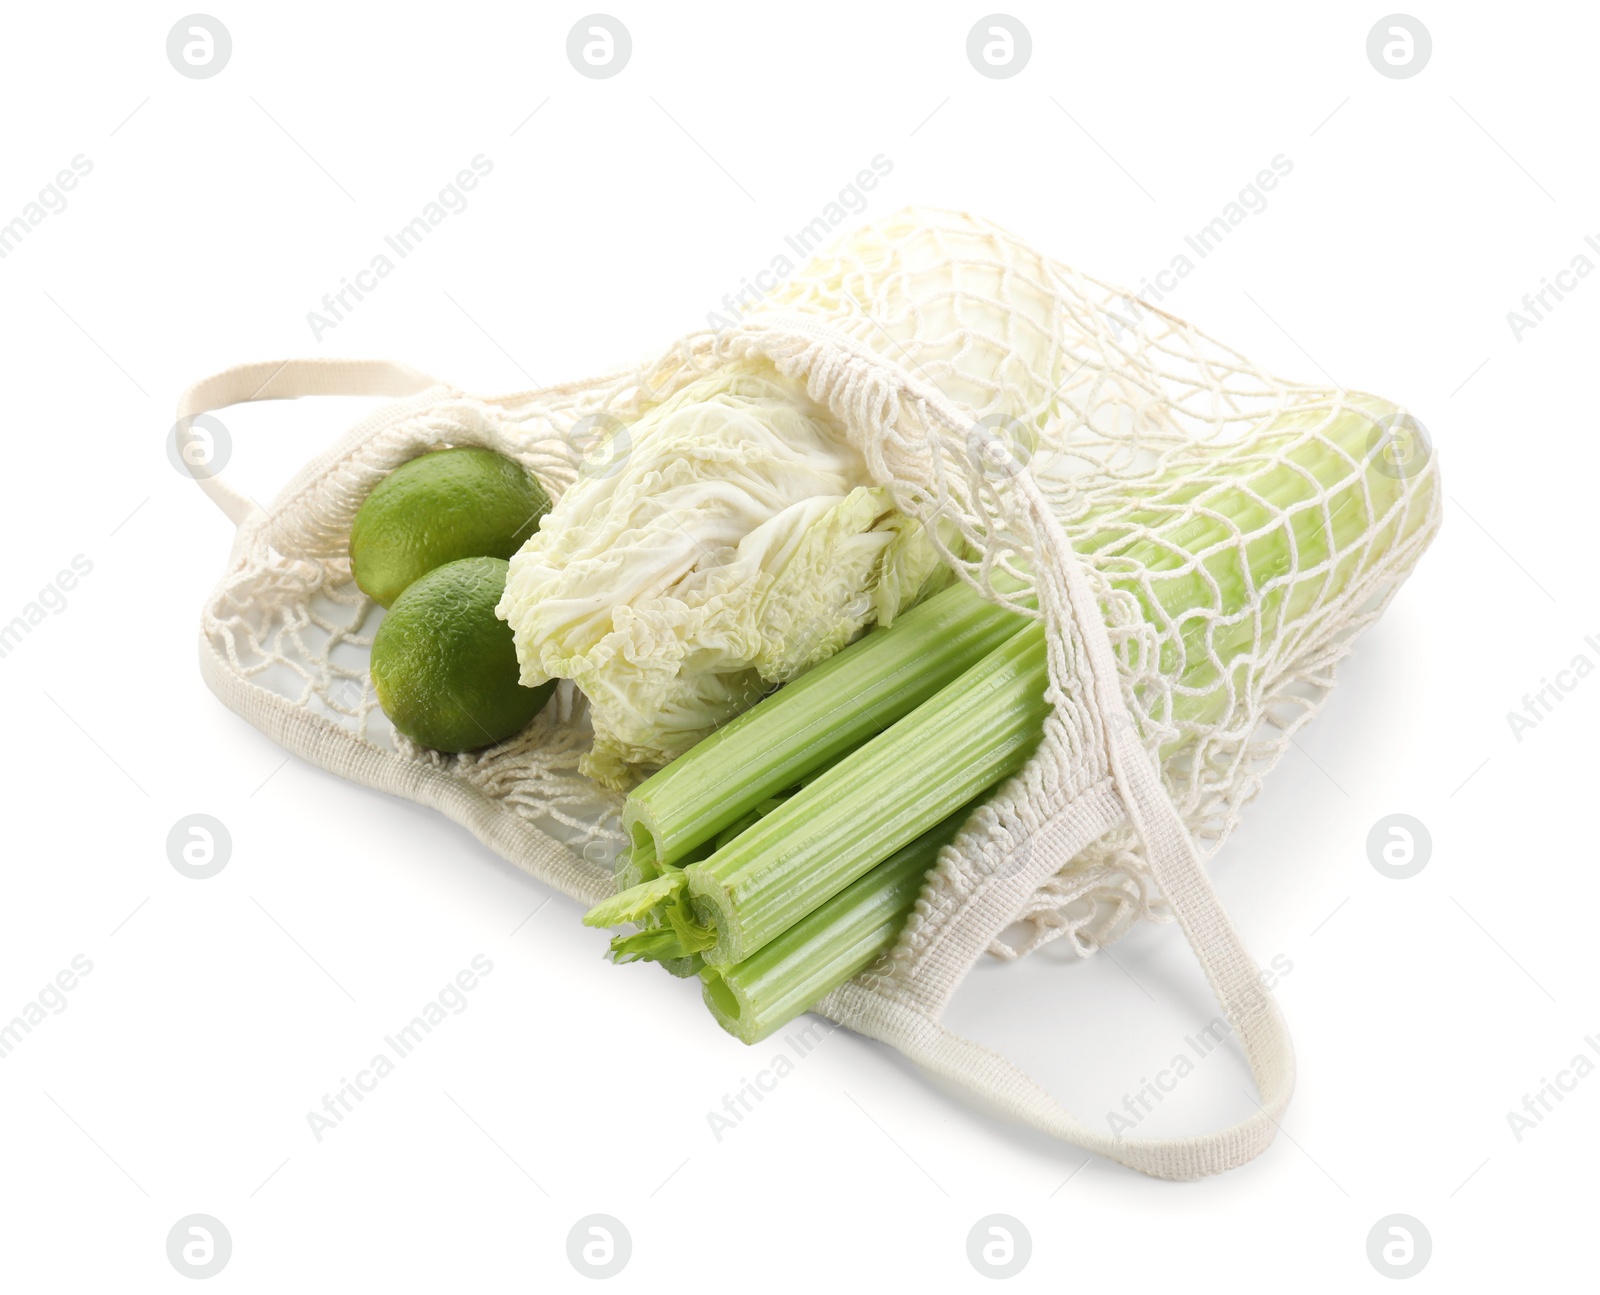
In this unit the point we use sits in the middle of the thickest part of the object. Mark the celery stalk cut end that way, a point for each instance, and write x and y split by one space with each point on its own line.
715 912
684 968
646 856
672 932
728 1006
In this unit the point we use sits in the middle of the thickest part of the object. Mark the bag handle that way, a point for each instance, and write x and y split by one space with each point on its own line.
855 381
279 380
1175 863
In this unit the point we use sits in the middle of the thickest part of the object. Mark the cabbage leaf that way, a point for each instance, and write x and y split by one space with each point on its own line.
734 543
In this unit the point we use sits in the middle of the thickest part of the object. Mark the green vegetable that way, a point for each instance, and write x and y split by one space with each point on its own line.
971 734
1268 540
827 947
732 540
1234 547
801 728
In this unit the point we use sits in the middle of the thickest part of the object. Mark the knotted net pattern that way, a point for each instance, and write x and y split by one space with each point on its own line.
984 385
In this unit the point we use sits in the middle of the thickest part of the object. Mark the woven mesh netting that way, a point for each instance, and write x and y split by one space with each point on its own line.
1239 530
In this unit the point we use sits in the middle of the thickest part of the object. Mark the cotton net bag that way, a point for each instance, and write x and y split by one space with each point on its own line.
1012 406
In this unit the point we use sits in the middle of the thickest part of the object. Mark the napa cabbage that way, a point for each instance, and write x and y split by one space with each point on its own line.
736 541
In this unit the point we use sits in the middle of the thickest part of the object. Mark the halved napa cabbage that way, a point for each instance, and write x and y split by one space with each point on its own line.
737 543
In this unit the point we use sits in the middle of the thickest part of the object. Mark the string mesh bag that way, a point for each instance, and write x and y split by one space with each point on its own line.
1199 541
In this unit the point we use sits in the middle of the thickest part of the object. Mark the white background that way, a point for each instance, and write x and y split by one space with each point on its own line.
218 212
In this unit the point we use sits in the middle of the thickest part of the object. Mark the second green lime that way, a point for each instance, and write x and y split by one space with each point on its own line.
438 508
444 665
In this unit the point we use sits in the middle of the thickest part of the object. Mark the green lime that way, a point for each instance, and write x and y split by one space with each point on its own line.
444 664
450 504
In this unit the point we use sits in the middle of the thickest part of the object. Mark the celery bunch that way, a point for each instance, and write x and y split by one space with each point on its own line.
778 858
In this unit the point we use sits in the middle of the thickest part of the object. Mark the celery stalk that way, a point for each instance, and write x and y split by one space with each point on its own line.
824 713
1230 548
827 947
971 734
1221 576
